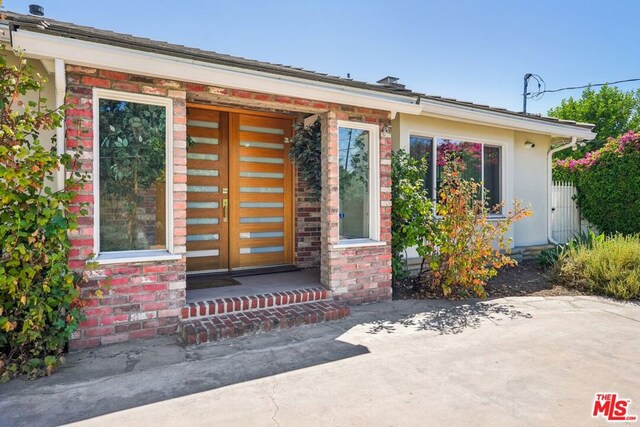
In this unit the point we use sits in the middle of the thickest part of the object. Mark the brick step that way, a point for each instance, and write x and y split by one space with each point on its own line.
222 326
200 309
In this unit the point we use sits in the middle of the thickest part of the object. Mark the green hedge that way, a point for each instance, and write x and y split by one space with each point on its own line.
609 195
608 184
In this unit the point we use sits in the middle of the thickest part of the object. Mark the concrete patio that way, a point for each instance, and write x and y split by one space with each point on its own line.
513 361
260 284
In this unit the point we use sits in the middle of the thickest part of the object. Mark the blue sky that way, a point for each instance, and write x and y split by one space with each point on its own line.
472 50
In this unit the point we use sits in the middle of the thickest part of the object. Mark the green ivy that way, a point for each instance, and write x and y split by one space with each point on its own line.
306 146
39 294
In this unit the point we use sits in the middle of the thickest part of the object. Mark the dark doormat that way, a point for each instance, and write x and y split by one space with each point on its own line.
206 282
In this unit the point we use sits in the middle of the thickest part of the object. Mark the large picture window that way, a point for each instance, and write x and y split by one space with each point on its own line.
482 163
132 143
358 182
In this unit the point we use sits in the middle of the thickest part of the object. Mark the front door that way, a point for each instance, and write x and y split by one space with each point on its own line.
239 190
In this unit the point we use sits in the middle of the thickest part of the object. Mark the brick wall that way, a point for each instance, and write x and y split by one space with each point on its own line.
307 227
363 274
142 299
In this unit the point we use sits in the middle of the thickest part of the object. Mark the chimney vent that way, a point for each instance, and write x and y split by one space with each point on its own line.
390 81
36 9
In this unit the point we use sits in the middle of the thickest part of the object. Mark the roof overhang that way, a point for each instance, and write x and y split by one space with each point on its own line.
97 55
451 111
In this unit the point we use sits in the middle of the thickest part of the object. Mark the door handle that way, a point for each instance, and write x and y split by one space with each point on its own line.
225 210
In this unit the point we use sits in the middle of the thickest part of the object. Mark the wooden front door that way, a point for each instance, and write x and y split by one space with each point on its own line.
239 190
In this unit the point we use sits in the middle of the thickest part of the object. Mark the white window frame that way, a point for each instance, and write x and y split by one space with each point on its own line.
435 136
113 257
374 185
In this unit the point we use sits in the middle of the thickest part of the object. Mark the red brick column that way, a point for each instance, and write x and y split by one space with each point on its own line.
141 299
308 225
354 274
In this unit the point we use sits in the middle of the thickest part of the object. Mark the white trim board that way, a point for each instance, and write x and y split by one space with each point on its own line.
97 55
98 94
374 181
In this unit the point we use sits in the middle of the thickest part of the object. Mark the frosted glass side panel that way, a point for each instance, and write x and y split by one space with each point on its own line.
272 175
256 144
261 190
202 205
200 156
202 172
202 124
261 219
202 188
261 204
262 250
204 140
259 129
262 234
202 237
202 221
253 159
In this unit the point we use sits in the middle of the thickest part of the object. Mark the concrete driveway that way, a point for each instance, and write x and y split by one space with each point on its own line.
528 361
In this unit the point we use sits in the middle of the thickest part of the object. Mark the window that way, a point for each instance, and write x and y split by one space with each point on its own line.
358 182
132 159
421 147
482 163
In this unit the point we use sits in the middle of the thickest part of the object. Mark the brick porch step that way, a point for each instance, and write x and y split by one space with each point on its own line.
206 329
200 309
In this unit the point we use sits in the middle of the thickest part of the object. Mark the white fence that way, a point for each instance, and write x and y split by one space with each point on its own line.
565 216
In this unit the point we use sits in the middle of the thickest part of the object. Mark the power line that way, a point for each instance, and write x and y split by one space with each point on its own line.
586 86
542 88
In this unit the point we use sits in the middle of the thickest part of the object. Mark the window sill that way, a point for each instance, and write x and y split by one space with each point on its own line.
358 243
129 257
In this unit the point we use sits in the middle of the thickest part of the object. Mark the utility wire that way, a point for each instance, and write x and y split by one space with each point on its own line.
585 86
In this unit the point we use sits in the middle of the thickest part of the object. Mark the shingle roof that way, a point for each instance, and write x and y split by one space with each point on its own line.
65 29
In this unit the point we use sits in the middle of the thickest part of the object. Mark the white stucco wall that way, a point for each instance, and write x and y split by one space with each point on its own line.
530 185
524 170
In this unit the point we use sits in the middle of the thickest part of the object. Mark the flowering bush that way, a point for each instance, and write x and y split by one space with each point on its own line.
467 247
630 141
608 184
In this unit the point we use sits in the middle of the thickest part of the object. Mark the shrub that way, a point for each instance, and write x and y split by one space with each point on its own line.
39 306
466 248
608 184
549 258
305 150
609 267
411 209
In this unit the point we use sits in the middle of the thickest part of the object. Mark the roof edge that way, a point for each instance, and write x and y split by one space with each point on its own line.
448 110
98 55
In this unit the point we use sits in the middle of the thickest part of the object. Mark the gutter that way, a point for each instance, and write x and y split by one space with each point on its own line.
550 154
448 111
